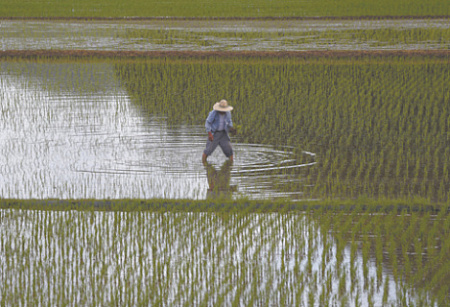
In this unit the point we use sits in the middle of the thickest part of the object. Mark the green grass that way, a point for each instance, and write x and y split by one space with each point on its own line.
246 8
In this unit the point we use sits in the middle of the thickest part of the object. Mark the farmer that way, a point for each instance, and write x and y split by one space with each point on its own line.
217 126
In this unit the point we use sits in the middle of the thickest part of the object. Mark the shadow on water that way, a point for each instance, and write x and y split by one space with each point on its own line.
219 180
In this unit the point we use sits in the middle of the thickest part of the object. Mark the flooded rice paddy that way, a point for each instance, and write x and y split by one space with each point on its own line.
307 129
65 134
197 259
220 35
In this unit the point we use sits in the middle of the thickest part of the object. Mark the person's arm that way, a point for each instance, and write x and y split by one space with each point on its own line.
209 121
208 125
230 127
230 122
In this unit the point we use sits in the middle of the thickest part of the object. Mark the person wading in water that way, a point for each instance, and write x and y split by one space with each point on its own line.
217 125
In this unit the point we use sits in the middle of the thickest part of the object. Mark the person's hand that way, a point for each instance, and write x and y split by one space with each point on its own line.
210 136
233 131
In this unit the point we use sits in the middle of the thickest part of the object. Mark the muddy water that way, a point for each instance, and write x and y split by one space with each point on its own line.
70 131
241 35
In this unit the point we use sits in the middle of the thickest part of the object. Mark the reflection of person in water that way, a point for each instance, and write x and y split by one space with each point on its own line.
217 126
219 181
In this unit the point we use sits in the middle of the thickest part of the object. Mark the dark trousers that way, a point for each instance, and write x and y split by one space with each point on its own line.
221 139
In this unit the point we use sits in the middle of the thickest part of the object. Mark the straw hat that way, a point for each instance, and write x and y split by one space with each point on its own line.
222 106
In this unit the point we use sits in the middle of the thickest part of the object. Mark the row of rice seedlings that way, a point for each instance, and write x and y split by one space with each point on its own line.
193 258
248 8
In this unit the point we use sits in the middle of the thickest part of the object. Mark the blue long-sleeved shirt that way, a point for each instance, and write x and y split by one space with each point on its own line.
212 121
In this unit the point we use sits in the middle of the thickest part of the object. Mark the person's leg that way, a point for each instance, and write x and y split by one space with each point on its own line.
210 147
225 145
